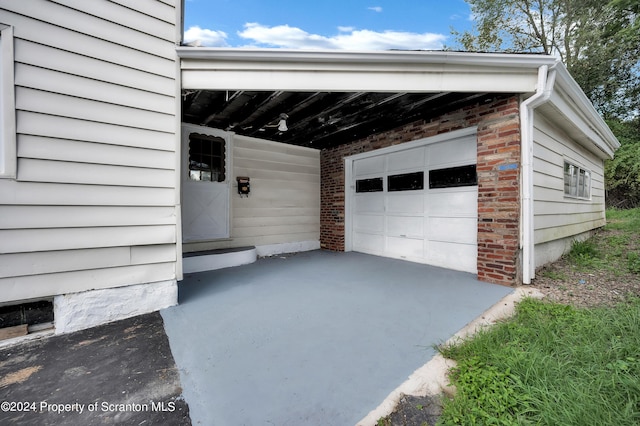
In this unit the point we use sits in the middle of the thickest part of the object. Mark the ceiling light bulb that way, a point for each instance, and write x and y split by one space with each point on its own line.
282 125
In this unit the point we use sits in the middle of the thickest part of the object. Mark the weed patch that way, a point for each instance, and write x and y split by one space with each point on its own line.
554 275
633 262
550 364
585 253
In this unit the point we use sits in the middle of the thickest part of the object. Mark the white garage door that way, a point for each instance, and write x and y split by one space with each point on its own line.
418 203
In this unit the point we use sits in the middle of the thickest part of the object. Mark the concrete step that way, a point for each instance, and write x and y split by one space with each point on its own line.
210 260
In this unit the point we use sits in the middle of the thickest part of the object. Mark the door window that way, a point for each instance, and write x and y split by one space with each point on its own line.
206 158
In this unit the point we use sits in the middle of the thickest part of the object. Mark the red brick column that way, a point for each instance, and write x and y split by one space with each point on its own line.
498 170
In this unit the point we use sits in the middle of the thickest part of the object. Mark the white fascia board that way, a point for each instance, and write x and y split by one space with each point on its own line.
274 69
571 102
359 81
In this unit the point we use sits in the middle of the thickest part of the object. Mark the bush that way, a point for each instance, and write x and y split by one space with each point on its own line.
622 174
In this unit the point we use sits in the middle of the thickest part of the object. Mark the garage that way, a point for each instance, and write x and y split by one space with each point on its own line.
416 201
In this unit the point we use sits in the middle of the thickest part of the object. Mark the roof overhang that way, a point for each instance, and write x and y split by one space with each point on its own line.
438 76
571 110
392 71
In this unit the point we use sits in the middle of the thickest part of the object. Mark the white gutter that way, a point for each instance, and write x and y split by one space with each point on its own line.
544 89
509 60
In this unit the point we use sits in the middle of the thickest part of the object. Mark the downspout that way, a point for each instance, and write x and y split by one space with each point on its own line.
178 140
544 89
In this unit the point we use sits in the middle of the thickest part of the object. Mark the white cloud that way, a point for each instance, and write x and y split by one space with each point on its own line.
203 37
284 36
375 8
345 29
288 37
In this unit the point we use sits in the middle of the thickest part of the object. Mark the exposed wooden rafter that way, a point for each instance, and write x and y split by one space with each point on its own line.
316 119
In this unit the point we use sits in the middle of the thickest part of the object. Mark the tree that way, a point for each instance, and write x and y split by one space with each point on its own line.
622 174
598 41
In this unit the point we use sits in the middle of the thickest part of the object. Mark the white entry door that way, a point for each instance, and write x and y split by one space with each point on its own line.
206 176
418 203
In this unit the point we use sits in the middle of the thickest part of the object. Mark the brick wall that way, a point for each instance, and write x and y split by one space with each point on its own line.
498 170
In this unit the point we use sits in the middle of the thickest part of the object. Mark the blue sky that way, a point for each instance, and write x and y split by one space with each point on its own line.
325 24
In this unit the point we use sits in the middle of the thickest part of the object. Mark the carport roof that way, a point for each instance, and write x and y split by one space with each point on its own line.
332 97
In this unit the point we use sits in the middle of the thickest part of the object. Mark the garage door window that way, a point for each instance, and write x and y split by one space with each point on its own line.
453 177
406 182
369 185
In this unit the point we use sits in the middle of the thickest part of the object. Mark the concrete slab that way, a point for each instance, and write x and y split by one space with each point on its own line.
314 338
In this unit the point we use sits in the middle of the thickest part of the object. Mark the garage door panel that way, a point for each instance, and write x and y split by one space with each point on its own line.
408 248
461 257
369 166
458 150
403 218
368 243
453 229
405 226
369 203
406 202
450 203
369 223
407 159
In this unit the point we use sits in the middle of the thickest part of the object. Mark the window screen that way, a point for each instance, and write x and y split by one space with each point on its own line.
206 158
453 177
369 185
406 182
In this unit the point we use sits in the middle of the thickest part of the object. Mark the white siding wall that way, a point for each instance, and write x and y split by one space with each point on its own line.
555 215
93 205
284 204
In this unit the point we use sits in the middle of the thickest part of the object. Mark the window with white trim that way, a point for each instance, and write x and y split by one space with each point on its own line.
7 105
577 181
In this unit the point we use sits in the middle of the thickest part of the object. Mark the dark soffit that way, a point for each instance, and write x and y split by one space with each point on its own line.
316 119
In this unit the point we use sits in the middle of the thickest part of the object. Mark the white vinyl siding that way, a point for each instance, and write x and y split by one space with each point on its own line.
7 104
93 204
284 203
557 215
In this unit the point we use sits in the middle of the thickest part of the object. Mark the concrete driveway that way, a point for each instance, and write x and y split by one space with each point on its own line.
313 338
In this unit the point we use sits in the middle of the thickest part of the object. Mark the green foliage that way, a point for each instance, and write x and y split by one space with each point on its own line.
550 364
633 262
485 395
554 275
625 220
585 253
597 41
622 174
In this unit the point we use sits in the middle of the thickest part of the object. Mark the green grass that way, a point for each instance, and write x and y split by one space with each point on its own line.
586 254
616 248
628 220
550 364
554 275
553 364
